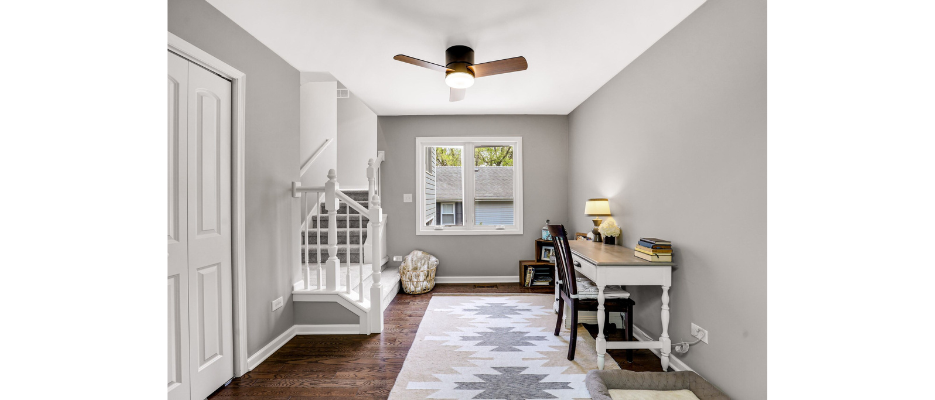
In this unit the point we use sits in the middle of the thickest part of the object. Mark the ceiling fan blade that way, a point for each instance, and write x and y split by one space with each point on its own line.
421 63
499 67
456 94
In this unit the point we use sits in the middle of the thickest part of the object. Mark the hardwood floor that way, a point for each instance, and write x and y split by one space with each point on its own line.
365 367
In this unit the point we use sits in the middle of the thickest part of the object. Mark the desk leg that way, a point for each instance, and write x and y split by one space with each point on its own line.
601 341
666 342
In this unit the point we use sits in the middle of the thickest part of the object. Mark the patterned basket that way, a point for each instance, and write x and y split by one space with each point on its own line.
417 272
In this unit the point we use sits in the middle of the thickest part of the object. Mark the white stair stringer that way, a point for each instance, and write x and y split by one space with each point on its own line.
389 279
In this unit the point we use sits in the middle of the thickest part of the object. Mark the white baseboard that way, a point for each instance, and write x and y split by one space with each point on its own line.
270 348
335 329
277 343
674 362
477 279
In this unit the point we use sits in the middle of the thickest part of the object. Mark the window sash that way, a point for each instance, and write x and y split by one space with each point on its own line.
468 144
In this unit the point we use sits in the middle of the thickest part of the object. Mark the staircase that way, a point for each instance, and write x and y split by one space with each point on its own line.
351 229
343 243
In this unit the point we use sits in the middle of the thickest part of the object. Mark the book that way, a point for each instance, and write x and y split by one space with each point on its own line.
656 241
647 250
653 246
654 257
530 271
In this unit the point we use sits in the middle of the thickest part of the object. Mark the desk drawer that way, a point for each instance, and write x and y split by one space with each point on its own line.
585 267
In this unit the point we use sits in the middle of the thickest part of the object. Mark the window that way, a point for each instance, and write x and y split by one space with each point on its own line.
448 213
469 186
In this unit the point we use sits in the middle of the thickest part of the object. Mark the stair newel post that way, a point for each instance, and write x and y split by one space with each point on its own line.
332 266
306 242
376 289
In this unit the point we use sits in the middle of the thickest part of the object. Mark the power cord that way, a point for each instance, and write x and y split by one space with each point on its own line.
682 347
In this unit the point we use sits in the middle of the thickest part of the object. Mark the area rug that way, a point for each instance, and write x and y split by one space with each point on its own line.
494 347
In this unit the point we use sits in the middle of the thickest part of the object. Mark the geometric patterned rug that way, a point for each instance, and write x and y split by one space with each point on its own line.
494 347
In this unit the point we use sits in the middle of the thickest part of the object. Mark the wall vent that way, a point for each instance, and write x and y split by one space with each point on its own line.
344 93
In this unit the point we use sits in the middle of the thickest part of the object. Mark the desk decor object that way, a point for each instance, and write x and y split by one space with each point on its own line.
654 250
610 230
597 208
545 231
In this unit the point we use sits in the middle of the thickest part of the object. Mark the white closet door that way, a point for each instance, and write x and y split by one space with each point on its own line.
179 382
209 231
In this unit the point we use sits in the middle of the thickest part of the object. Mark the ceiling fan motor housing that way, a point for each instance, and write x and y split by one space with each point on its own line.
458 59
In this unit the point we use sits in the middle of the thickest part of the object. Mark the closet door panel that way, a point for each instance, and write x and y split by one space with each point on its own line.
177 284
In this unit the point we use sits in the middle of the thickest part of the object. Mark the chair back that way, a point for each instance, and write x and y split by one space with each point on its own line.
563 261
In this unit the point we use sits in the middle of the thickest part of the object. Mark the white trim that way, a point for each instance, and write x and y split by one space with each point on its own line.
334 329
674 362
238 203
468 228
477 279
270 348
388 298
314 156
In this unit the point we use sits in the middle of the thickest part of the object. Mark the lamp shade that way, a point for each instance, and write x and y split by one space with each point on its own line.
597 207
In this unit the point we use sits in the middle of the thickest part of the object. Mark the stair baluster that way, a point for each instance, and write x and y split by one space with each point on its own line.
333 265
318 239
360 256
347 232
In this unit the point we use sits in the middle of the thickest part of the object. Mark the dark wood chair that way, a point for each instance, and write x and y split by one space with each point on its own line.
581 294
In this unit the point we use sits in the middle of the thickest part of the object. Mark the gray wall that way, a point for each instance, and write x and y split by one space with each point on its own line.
307 313
545 180
357 142
272 159
677 141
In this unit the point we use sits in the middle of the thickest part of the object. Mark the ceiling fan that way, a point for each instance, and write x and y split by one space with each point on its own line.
460 69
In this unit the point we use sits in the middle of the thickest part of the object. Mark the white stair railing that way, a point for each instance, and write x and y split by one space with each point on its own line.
375 242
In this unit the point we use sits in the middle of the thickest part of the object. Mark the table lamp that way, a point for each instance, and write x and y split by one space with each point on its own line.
597 208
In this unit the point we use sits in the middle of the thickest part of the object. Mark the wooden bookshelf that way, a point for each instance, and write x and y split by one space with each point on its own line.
523 264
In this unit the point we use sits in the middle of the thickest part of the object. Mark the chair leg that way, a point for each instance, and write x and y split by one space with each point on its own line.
629 332
573 339
608 327
561 310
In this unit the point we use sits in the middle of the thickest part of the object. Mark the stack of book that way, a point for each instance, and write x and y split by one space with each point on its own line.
538 275
655 250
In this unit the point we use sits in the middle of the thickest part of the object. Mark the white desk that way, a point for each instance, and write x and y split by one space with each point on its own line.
616 265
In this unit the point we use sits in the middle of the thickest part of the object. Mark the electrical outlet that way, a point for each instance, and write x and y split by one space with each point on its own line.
700 333
277 304
407 198
397 258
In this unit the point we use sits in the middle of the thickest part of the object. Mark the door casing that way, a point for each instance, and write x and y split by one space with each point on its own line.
238 222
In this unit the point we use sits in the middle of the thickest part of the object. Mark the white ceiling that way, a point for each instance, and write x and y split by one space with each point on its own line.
572 47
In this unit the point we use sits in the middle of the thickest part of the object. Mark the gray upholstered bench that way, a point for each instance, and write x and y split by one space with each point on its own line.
600 382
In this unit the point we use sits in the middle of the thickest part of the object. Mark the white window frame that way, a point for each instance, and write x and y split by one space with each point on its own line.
453 213
467 163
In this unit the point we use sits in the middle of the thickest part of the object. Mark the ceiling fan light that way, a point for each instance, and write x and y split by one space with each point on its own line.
459 80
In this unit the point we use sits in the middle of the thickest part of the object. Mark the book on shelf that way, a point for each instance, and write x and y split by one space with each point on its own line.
653 257
542 281
647 250
530 272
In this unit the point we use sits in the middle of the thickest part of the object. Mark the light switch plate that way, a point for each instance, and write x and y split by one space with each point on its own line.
277 304
397 258
407 198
